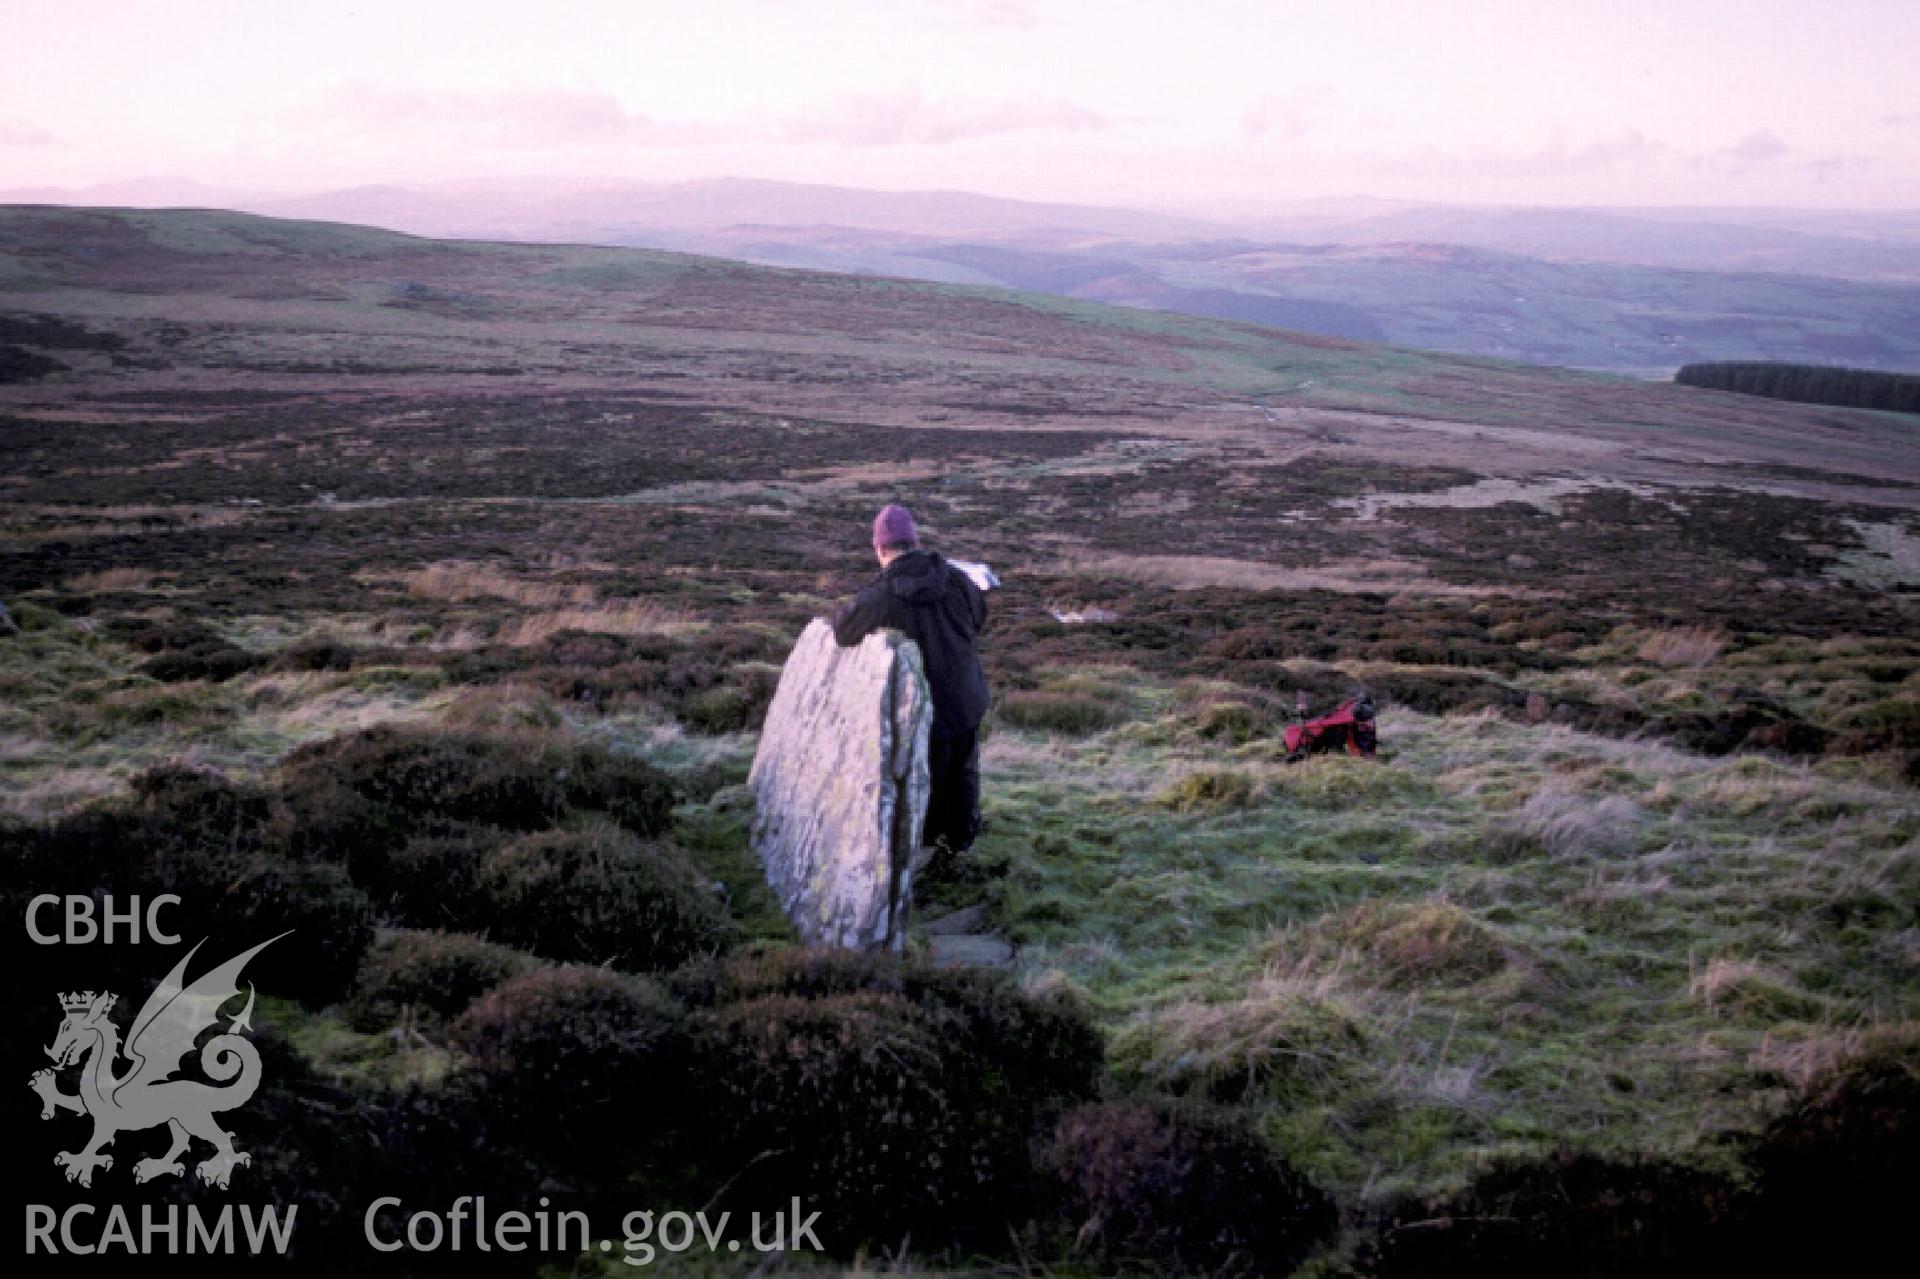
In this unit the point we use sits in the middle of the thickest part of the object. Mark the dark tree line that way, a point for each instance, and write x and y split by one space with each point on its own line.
1808 383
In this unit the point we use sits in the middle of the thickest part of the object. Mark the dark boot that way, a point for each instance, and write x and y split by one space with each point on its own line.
953 806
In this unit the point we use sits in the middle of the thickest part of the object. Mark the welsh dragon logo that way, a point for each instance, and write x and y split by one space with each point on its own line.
145 1094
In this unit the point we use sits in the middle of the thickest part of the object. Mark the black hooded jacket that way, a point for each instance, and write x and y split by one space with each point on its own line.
939 608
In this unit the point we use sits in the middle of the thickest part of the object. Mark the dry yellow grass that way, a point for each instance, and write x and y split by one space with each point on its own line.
36 525
112 579
562 606
1804 1053
1192 572
567 562
1684 646
1721 976
1562 823
1730 985
1429 940
615 617
502 707
1607 889
61 790
1290 1030
1752 786
457 581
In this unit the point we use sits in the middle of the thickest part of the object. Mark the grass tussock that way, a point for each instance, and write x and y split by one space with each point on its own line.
555 607
1563 825
1804 1052
1342 783
503 708
1430 941
460 581
1728 985
1684 646
1071 702
1288 1036
1209 788
1047 711
610 617
112 579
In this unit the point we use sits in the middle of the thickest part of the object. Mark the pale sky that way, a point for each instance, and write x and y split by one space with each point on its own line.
1206 105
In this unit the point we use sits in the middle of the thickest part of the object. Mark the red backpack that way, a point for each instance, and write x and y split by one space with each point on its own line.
1350 728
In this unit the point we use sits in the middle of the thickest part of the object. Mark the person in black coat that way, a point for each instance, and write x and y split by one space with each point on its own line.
940 609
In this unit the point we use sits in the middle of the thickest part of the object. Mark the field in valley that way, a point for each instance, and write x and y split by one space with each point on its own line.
322 539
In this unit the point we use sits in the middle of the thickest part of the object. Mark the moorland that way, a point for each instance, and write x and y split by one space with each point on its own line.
425 596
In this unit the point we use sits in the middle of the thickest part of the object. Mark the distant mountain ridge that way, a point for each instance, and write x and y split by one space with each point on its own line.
1637 291
1709 240
461 210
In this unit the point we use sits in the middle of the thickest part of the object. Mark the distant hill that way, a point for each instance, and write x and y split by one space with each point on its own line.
199 298
1639 320
577 210
1859 246
1635 291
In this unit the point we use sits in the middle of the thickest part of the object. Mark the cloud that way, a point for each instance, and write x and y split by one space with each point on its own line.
1630 156
516 120
1758 150
1901 120
1764 154
1837 167
1287 117
1313 129
1556 158
907 119
549 119
1018 14
23 133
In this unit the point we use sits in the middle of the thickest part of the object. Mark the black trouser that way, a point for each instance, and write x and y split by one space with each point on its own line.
953 808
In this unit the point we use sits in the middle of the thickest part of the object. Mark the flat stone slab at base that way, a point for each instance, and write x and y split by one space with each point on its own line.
965 920
840 787
969 950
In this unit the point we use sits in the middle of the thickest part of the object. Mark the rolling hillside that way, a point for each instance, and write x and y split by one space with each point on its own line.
1635 291
400 591
375 367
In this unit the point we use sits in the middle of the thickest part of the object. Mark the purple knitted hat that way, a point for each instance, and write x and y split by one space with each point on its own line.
894 527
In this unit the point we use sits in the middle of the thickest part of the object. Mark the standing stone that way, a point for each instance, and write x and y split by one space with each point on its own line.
840 787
